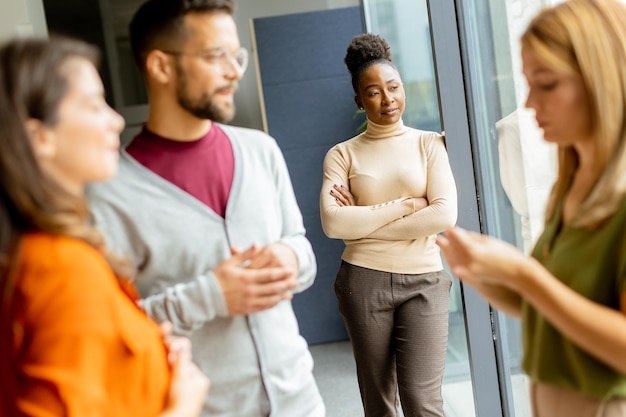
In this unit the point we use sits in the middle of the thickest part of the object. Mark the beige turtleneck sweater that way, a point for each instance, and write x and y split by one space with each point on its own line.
383 168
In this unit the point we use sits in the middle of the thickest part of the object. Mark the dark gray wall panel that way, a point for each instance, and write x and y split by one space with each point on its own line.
309 107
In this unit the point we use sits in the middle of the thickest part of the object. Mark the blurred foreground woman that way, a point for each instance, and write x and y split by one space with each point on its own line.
72 340
571 294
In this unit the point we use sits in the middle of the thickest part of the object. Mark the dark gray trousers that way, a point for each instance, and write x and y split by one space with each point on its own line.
398 326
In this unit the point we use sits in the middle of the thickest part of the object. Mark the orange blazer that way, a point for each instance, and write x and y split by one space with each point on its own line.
82 346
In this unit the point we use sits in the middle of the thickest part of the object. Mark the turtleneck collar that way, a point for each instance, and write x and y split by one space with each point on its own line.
376 131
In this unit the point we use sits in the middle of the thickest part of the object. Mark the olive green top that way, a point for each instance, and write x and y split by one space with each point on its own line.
593 263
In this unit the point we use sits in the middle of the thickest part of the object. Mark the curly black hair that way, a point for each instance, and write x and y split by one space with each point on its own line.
363 51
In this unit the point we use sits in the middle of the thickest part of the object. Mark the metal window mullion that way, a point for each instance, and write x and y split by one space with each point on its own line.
455 121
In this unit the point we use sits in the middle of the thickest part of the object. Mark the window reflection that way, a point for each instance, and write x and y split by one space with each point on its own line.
404 24
105 24
517 168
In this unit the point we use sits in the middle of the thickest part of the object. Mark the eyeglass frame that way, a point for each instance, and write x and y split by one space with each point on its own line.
220 56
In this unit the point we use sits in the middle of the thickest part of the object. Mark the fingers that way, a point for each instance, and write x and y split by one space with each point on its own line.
178 349
239 258
340 199
443 244
272 280
343 197
476 258
419 203
264 258
459 240
188 373
266 288
248 290
274 255
455 247
447 252
257 278
188 389
257 303
177 346
166 328
266 282
261 303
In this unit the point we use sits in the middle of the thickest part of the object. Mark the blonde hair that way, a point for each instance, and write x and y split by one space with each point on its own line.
588 37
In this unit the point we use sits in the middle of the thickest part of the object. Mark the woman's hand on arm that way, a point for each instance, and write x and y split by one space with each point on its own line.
342 218
340 215
419 203
428 218
342 196
188 386
438 211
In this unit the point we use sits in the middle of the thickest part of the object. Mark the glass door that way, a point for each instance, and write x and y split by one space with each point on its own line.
513 169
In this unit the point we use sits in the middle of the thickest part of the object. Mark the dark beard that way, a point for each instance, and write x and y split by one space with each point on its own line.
203 108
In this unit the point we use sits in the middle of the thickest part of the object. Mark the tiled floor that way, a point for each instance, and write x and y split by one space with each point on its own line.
336 376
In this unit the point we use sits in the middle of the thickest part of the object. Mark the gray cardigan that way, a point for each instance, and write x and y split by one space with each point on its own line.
255 362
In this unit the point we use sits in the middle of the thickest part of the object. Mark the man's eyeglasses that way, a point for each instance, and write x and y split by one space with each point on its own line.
220 56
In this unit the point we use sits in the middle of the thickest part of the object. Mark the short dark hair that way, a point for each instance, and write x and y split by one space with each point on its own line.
159 23
364 50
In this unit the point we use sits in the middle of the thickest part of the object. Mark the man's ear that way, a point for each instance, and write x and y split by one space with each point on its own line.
159 66
42 139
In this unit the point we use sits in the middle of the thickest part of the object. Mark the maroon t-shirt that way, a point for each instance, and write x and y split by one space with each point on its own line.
203 168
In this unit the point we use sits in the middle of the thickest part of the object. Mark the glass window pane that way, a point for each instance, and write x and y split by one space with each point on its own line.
405 26
516 167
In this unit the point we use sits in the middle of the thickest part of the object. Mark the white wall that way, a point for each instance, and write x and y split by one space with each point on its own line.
247 99
22 18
